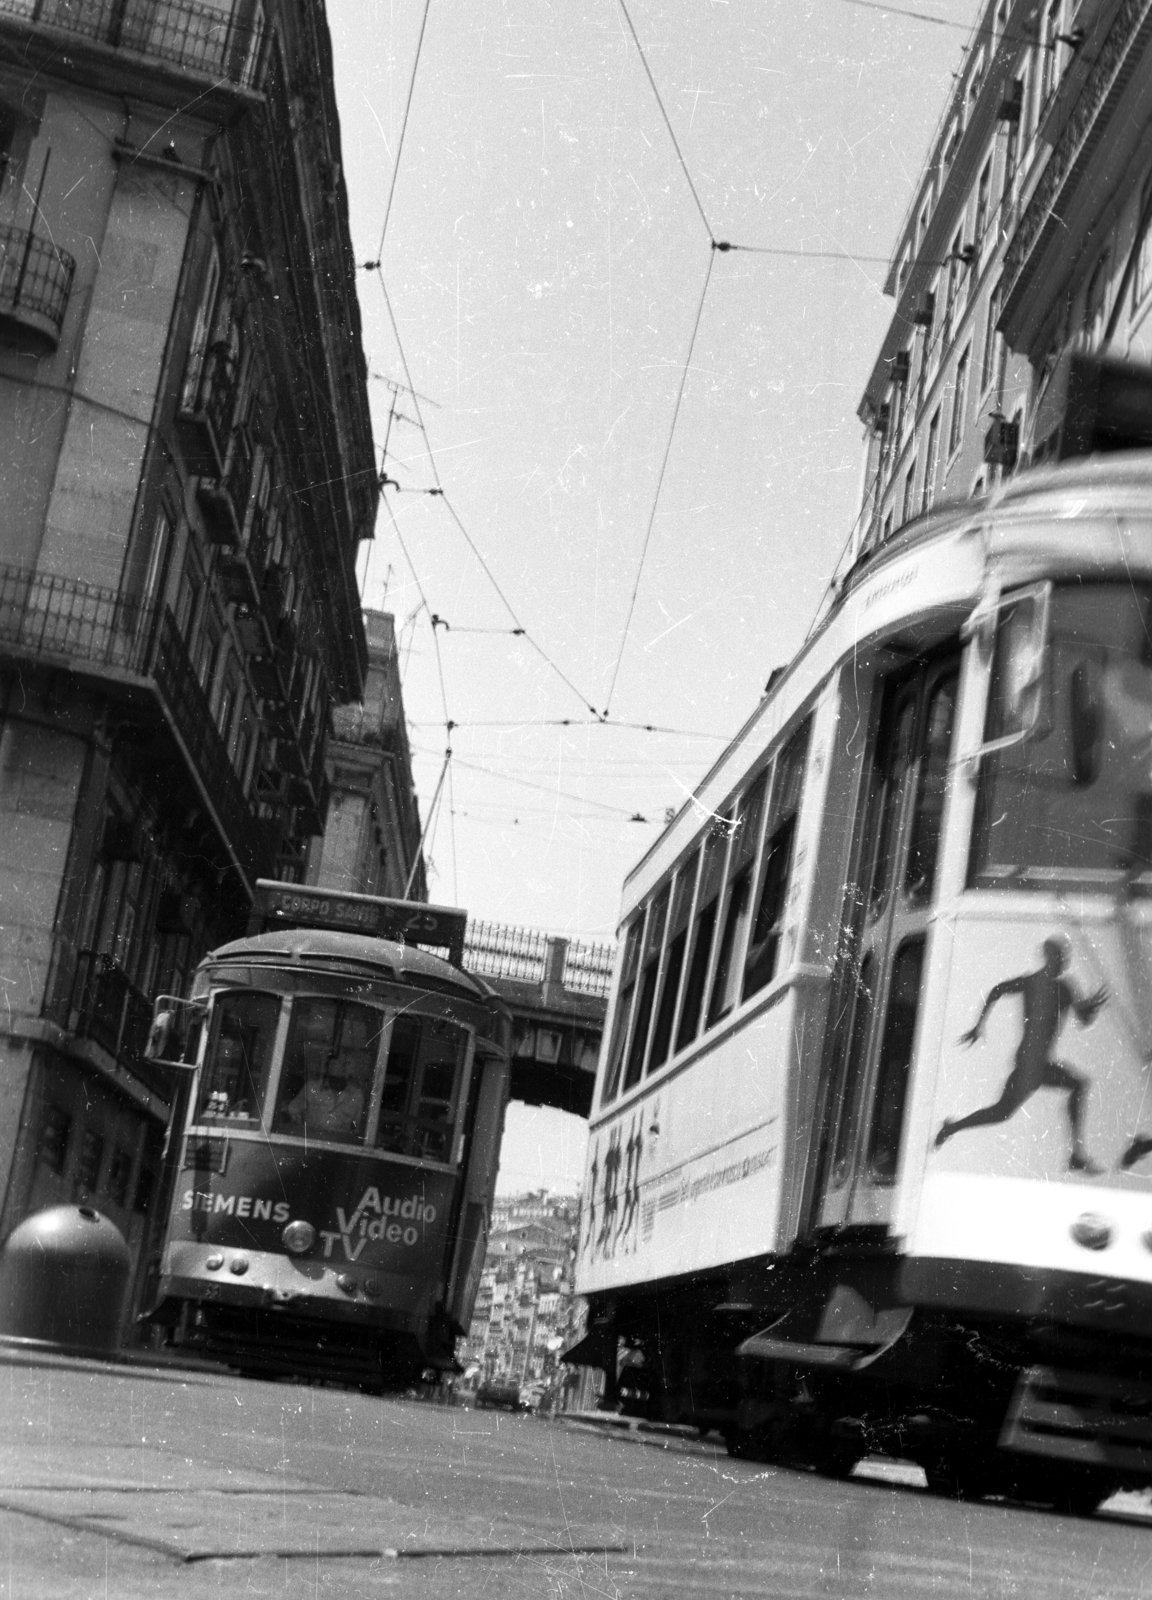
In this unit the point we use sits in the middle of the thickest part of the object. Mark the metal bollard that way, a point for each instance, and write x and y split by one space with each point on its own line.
64 1279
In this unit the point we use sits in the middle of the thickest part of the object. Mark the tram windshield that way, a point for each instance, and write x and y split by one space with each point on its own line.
329 1064
1070 798
239 1061
334 1082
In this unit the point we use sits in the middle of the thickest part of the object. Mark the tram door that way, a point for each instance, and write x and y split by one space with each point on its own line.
883 936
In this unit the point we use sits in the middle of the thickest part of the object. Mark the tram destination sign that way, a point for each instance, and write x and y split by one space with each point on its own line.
298 905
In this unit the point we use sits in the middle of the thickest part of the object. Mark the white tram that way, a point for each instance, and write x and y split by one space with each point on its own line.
870 1164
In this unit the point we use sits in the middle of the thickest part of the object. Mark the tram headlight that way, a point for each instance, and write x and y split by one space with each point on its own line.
298 1237
1092 1231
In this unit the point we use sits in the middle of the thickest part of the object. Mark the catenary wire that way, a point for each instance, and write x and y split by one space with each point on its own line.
667 119
403 128
583 698
659 482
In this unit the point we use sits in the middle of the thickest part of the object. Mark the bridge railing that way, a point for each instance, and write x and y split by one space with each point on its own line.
499 950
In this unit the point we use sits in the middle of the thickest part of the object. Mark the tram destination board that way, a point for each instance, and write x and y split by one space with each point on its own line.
302 906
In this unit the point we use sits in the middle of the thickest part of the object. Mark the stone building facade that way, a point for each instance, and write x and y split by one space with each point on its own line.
186 468
1027 237
371 842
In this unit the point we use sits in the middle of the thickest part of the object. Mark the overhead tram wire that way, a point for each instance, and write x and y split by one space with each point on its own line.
452 512
659 484
667 120
403 131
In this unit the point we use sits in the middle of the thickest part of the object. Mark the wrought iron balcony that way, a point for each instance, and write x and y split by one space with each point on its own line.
96 634
223 42
108 1008
206 411
35 282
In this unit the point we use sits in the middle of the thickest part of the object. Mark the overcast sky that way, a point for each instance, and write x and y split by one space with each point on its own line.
548 261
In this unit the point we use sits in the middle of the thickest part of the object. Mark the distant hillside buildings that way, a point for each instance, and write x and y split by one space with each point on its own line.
526 1311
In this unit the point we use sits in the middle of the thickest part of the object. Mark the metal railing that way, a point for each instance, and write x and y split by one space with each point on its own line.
192 716
49 616
193 34
35 276
501 951
108 1008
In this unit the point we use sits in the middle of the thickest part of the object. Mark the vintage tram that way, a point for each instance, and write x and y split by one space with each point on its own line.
870 1165
338 1153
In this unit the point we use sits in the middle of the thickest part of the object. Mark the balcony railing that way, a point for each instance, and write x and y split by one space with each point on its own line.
85 628
191 34
192 717
108 1008
50 615
35 281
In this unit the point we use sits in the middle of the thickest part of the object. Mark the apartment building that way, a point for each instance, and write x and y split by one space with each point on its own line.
1027 237
186 468
371 842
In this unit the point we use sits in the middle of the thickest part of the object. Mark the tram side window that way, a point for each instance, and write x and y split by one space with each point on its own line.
421 1085
703 931
738 909
673 961
329 1061
649 970
776 866
625 992
239 1059
895 1060
931 790
1068 796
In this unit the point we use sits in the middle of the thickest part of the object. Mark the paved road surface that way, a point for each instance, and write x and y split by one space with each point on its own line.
130 1482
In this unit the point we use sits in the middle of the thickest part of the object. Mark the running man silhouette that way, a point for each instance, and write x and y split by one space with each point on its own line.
1047 998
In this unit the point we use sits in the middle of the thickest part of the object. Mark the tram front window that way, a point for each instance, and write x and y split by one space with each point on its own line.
421 1086
239 1058
329 1060
1071 798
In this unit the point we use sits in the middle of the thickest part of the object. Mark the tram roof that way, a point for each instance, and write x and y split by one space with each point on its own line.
392 958
1097 493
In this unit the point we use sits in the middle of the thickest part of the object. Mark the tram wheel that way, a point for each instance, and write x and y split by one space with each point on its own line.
1073 1491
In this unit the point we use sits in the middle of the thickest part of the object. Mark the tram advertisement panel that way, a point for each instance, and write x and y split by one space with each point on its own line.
1044 1079
378 1214
689 1176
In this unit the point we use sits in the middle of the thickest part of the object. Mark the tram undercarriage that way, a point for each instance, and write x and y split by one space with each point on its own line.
268 1342
829 1366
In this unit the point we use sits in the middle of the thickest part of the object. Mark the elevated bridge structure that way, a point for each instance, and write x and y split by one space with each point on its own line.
557 990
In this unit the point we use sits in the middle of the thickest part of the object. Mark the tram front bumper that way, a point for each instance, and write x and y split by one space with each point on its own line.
265 1280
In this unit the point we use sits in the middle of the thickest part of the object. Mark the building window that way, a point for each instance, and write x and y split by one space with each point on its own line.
955 268
930 458
983 191
991 342
157 559
188 597
55 1131
1050 51
1144 259
88 1161
1096 301
959 401
201 328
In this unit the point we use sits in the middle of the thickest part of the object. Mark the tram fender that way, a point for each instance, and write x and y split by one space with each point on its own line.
849 1333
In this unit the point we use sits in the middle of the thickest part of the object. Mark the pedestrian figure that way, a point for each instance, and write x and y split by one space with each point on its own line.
1047 998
